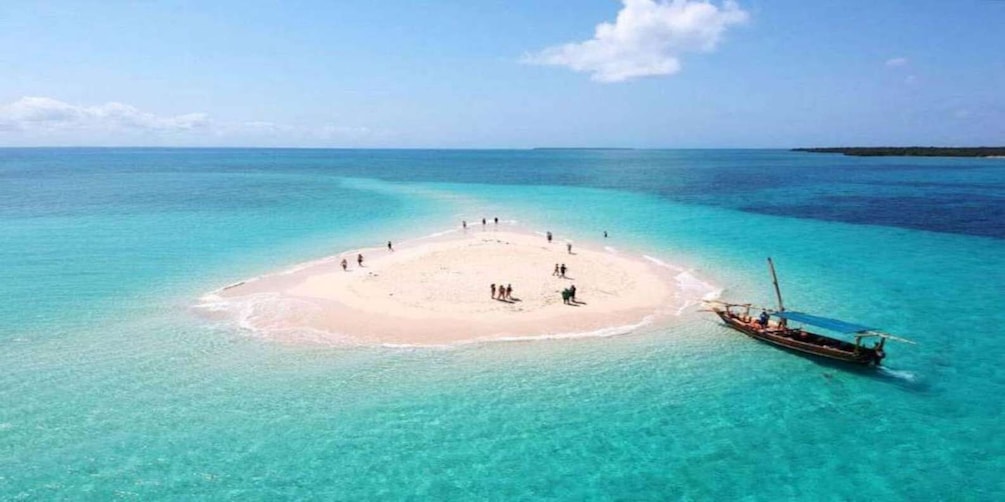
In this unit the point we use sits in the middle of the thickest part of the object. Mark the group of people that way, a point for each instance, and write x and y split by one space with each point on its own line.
501 292
505 293
569 295
568 245
560 270
464 223
359 260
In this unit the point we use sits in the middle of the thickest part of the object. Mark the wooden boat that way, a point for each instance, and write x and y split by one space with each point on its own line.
772 326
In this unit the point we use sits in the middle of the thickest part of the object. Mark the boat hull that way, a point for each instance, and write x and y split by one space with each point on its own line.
803 342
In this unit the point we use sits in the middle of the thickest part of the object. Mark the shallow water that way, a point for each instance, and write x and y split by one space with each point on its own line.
112 386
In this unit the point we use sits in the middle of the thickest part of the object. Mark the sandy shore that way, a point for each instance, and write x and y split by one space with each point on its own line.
437 292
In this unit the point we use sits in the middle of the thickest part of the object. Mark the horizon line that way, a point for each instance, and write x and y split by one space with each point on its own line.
528 148
431 148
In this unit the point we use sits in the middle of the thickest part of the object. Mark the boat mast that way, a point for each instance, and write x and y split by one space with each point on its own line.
774 278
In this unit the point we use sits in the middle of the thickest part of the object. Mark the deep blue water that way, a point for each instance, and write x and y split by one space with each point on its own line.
112 388
954 195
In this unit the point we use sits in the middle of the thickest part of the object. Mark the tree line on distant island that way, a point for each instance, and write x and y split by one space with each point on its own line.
911 151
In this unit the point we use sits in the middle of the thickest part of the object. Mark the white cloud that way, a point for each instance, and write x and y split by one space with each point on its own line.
47 114
646 39
894 62
48 121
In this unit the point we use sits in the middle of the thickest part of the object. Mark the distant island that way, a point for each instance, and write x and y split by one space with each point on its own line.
911 151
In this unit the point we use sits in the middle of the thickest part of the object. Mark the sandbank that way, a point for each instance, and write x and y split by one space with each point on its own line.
436 291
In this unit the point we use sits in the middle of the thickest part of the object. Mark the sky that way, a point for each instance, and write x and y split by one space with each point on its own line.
502 73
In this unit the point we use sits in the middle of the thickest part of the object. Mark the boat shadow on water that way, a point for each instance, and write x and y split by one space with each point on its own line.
905 379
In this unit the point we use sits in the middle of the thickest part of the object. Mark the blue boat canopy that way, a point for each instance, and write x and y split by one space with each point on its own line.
822 322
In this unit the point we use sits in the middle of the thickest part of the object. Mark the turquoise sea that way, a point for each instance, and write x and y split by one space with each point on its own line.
112 386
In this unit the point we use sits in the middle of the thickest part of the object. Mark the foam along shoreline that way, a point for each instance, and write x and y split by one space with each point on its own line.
436 291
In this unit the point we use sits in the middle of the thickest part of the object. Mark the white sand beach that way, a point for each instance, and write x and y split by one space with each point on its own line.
437 291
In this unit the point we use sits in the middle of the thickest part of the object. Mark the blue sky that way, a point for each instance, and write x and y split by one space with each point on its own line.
503 74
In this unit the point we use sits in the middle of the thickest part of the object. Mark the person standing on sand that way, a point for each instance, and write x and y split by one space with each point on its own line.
562 270
493 291
565 296
549 237
572 293
359 259
345 265
509 291
568 246
556 272
389 247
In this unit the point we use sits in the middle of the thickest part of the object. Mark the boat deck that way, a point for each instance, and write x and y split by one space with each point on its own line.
799 340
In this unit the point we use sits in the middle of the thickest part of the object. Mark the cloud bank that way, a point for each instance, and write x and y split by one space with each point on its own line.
646 39
47 114
47 121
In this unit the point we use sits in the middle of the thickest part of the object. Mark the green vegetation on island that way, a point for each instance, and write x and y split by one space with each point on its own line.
911 151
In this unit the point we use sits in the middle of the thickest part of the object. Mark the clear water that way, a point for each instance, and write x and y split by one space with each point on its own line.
110 386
